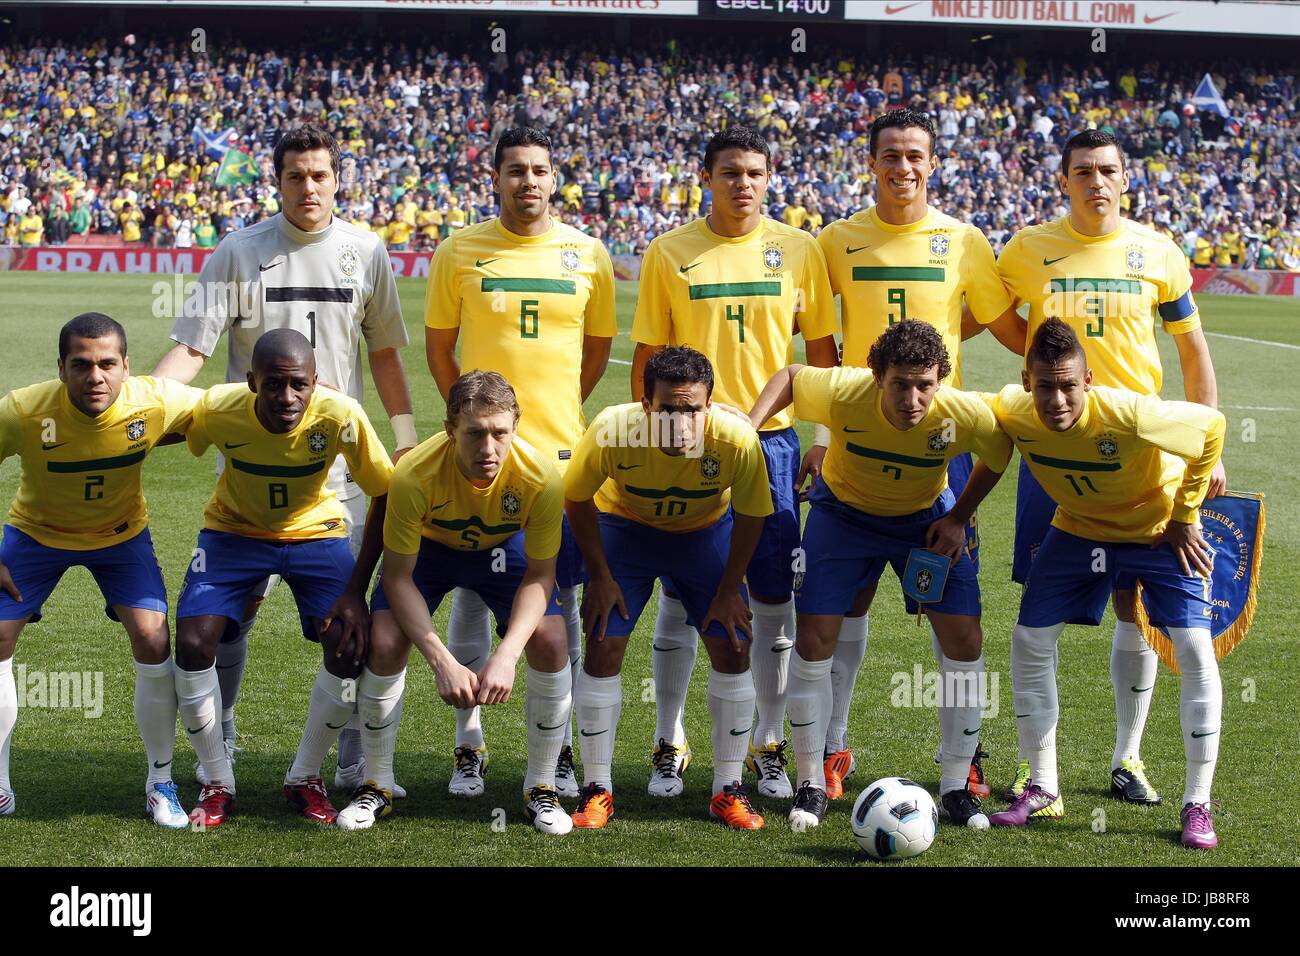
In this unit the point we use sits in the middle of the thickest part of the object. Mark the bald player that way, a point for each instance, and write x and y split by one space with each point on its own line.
309 270
273 513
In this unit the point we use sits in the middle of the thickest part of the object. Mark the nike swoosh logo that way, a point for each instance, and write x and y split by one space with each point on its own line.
741 733
159 766
480 263
238 444
45 447
809 724
780 650
1028 441
443 505
1197 736
336 726
596 734
849 250
688 268
541 726
970 733
262 268
1048 262
890 11
664 649
1023 715
201 729
626 467
368 725
1148 18
1141 690
855 431
470 661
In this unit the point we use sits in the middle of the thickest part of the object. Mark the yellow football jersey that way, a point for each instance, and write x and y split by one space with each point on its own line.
885 273
80 483
735 300
1130 464
430 497
617 464
523 305
274 486
875 467
1110 289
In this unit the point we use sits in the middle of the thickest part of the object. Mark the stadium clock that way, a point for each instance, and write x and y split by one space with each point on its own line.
775 9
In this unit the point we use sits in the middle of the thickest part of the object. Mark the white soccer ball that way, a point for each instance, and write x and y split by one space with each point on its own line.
129 39
894 818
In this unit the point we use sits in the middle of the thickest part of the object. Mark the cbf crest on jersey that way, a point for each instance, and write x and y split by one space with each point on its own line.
1233 525
570 260
1108 447
1135 259
939 245
773 258
710 466
135 429
511 501
349 259
317 441
938 440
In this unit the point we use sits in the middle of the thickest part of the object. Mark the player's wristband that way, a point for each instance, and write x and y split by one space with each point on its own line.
821 436
404 430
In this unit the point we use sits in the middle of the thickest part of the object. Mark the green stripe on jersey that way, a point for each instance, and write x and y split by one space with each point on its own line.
898 273
276 471
879 455
1086 284
671 492
94 464
722 290
474 521
1072 465
525 284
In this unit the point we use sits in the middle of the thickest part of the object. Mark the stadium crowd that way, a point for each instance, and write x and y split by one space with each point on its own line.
100 138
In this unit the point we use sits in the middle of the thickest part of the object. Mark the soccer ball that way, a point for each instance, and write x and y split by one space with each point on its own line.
894 818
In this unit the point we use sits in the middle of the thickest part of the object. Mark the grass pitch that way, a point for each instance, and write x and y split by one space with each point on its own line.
79 780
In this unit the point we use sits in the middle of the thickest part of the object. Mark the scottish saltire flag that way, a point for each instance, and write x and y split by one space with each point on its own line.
215 144
1207 97
237 169
1233 524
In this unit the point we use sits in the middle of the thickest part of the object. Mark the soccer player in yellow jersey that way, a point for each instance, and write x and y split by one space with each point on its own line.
737 286
1128 473
82 439
532 298
474 507
668 488
884 492
272 513
897 260
1110 279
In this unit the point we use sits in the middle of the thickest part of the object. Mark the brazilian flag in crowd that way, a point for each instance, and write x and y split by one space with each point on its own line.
237 169
1233 525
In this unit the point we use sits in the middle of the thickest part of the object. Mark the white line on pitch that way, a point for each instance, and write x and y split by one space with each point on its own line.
619 362
1242 338
1262 408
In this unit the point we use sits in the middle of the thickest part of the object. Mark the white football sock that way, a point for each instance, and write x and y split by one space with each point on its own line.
810 705
350 749
548 702
571 601
1033 676
469 638
942 715
962 701
198 697
599 702
672 654
1133 676
155 715
731 705
232 659
1200 708
769 660
381 701
8 717
327 707
845 664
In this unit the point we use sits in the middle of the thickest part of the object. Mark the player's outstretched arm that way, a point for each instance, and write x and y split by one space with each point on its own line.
1009 329
947 536
728 608
440 351
595 359
497 677
601 594
180 363
351 609
777 394
395 393
1200 385
457 685
640 357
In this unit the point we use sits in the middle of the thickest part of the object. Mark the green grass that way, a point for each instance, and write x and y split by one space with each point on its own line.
78 780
